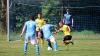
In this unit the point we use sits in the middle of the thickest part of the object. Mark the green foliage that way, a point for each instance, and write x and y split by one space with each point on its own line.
21 12
51 11
48 7
19 22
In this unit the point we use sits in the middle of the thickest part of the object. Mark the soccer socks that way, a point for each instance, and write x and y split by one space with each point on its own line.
25 47
37 49
55 46
41 41
49 44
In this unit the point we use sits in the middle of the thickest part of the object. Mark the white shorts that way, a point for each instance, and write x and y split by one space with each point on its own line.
31 38
52 38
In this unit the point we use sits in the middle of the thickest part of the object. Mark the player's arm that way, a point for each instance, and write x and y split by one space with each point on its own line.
63 20
23 30
37 25
72 22
55 28
58 30
69 29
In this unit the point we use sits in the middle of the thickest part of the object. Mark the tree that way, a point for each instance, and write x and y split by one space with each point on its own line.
49 7
3 14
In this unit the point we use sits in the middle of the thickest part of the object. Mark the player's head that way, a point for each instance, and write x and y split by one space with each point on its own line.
39 15
67 11
60 24
45 21
30 17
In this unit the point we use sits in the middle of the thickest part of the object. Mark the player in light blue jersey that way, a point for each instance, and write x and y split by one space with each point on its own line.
68 19
48 36
30 34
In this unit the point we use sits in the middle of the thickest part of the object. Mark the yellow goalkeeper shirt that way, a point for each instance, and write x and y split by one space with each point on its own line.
65 29
40 23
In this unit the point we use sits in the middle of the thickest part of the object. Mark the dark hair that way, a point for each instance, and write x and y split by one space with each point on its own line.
32 18
40 15
46 21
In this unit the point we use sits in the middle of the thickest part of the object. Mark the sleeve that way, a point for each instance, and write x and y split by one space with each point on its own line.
68 28
25 24
35 20
24 27
36 24
51 25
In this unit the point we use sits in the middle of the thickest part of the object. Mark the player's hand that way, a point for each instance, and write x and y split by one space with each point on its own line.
54 32
55 25
72 25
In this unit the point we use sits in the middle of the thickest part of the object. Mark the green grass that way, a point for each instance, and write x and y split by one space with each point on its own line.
85 45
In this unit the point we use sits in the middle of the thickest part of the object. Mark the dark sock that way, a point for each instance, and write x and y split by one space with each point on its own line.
49 43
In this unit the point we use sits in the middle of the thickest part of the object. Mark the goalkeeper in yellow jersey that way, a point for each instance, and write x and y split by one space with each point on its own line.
67 33
39 33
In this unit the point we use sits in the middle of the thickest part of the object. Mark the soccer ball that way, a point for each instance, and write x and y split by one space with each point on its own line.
49 48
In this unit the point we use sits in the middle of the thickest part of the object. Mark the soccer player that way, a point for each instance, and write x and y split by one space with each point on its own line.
67 33
39 33
30 29
48 36
67 19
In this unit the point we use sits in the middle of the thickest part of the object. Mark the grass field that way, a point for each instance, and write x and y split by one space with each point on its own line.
86 44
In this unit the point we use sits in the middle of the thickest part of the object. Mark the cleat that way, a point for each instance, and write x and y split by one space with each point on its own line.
72 43
25 54
55 50
37 53
49 48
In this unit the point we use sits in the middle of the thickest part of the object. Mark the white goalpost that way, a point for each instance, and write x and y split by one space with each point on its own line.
7 20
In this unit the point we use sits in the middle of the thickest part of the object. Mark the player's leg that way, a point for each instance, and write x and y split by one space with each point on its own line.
25 47
42 38
71 41
25 44
49 44
67 39
52 39
37 38
34 42
37 49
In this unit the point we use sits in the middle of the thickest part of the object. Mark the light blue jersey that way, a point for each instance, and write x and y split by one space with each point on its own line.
67 18
30 27
48 35
46 30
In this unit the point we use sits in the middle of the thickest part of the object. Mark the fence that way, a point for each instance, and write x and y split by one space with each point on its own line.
85 18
